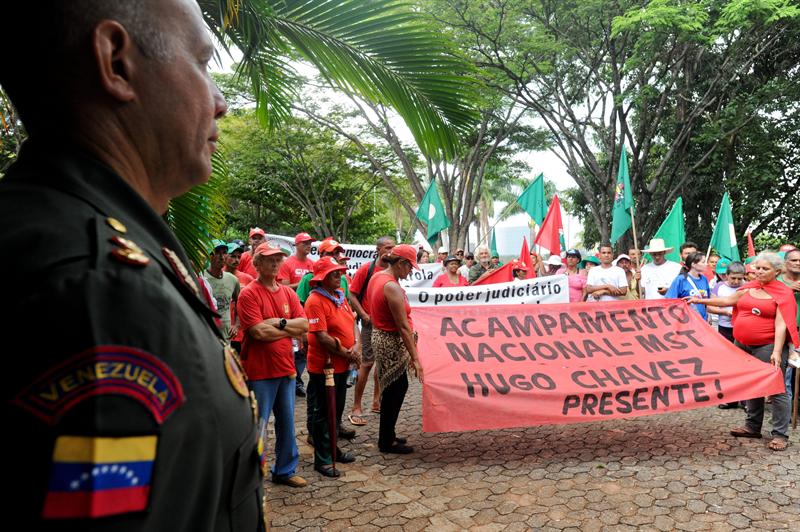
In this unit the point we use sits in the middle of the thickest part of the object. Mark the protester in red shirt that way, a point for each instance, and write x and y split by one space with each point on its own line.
451 276
358 291
271 316
764 324
332 347
295 267
394 342
257 237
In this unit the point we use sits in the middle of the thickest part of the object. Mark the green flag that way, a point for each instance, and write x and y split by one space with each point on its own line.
672 231
723 240
623 200
493 245
532 200
431 211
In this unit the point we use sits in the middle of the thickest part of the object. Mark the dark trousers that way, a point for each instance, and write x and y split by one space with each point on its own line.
318 413
727 333
300 361
391 402
781 408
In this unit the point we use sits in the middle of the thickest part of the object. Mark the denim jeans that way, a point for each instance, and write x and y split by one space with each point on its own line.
781 407
277 395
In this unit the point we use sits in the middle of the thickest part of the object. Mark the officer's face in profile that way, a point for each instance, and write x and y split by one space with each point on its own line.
181 102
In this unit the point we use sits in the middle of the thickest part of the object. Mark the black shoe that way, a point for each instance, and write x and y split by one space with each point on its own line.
398 439
299 392
346 434
728 406
398 448
345 458
327 471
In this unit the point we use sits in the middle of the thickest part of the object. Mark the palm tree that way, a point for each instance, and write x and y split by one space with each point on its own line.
382 50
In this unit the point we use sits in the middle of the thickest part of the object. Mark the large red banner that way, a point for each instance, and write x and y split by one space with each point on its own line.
491 367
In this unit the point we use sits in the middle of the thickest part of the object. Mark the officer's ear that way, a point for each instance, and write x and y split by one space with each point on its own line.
114 52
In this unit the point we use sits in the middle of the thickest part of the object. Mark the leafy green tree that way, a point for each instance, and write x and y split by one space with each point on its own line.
305 179
670 80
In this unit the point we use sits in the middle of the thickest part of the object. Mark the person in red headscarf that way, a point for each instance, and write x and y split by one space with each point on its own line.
764 324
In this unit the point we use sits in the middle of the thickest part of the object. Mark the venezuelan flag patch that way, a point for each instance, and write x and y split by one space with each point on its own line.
97 477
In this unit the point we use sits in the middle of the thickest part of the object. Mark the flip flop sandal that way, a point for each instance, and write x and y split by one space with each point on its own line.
376 410
778 444
356 420
744 433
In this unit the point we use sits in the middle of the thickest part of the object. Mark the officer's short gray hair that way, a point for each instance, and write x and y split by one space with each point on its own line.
137 16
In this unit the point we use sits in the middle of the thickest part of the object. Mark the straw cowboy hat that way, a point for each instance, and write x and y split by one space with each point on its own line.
656 245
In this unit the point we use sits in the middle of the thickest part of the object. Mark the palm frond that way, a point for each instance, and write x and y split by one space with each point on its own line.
199 215
382 50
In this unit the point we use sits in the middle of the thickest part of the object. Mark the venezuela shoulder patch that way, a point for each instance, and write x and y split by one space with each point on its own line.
103 370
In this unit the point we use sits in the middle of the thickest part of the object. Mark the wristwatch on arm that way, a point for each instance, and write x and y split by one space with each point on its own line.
282 324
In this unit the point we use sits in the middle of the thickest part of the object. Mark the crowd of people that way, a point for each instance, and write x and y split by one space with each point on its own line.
132 370
298 314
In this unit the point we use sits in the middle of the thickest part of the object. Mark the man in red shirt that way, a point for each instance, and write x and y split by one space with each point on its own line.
257 237
358 292
271 316
295 267
291 273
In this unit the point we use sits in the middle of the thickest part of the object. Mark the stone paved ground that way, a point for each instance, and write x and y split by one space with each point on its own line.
677 471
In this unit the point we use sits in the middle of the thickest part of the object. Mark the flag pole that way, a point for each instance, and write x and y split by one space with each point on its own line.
635 240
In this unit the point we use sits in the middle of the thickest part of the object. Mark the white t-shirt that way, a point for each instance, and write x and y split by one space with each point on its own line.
724 291
613 276
464 271
655 277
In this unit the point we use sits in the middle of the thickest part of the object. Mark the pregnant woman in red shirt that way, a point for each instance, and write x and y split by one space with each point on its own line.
764 322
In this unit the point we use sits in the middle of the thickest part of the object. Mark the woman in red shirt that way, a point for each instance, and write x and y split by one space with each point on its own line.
763 317
332 343
450 277
393 342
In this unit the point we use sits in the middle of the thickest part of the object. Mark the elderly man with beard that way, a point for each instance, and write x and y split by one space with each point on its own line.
482 265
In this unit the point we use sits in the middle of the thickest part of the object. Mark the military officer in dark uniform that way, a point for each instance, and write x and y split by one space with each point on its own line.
123 409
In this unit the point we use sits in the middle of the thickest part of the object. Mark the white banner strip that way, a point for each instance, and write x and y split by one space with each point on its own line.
553 289
423 277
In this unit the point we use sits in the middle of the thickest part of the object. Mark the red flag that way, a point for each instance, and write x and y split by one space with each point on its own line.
525 254
550 233
751 249
498 275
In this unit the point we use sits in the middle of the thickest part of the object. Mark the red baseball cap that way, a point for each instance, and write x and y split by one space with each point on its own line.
266 249
257 231
407 252
517 264
323 267
303 237
329 245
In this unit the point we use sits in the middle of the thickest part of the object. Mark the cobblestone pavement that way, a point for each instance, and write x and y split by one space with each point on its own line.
679 471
